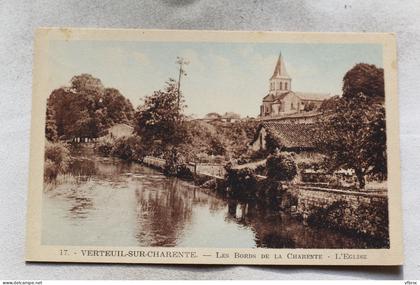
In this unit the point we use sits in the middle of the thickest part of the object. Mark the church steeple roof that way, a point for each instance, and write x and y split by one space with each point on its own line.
280 69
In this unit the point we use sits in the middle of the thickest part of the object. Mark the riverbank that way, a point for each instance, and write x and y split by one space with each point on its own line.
98 198
352 212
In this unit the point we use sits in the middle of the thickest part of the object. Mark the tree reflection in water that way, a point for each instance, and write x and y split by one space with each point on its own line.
162 213
104 201
275 229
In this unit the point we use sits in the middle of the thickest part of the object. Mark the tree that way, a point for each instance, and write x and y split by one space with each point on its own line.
160 120
366 79
309 107
352 131
118 108
85 109
50 125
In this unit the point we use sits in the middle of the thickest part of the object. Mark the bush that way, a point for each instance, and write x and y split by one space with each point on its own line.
241 182
57 159
281 166
128 148
104 146
184 172
173 159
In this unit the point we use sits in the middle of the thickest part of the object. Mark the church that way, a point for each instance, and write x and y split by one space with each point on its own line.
281 100
288 117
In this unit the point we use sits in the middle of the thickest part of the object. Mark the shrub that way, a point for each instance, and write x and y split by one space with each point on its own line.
216 147
184 172
173 159
128 148
241 182
57 159
261 170
104 146
281 166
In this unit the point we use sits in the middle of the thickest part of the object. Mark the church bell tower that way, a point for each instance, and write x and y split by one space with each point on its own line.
280 81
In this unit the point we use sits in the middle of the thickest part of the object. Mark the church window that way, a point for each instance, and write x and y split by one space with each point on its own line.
281 85
285 85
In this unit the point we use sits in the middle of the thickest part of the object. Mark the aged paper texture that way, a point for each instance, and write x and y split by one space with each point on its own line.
211 147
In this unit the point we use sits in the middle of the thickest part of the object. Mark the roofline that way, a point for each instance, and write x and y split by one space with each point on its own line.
290 116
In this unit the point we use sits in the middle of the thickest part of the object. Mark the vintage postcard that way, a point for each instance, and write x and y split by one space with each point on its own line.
212 147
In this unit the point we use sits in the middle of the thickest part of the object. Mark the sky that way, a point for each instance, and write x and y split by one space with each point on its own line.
221 77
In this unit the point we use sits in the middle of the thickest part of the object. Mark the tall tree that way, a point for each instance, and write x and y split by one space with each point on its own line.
366 79
50 124
118 108
160 120
352 130
86 108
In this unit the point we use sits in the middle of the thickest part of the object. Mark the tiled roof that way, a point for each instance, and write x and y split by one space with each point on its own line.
291 135
297 115
312 96
277 97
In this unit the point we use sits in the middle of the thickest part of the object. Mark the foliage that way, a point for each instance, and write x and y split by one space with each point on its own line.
364 79
85 109
368 220
128 148
241 182
352 131
104 146
236 136
159 120
174 159
271 144
184 172
281 167
216 147
203 141
51 133
118 108
309 107
57 159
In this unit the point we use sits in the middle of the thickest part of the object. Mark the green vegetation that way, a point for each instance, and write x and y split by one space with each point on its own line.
351 132
85 109
159 121
241 183
281 167
128 148
56 160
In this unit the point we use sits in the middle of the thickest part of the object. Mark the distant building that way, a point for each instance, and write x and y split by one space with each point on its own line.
281 100
230 117
120 130
211 117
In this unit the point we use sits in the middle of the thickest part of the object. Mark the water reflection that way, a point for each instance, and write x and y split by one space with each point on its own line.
108 202
162 213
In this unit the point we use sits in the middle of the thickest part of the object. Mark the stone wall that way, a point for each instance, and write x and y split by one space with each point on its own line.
154 162
355 212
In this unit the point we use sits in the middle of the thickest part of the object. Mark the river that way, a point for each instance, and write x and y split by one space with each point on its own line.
109 202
